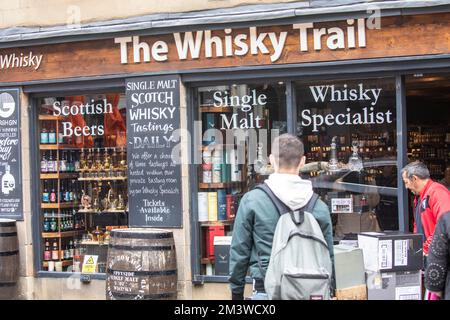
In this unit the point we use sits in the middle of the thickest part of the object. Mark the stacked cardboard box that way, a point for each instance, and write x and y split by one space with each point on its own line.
393 262
349 273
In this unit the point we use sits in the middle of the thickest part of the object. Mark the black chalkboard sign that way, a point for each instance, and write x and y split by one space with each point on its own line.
11 200
154 179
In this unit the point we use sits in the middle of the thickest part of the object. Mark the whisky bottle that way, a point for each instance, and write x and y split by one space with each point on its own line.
45 193
63 162
106 160
333 161
53 197
83 165
53 224
50 163
47 251
44 168
55 251
44 135
71 250
52 136
114 160
89 160
75 166
98 161
123 161
62 192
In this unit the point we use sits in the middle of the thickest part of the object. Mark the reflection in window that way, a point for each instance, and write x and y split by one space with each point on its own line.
349 131
231 168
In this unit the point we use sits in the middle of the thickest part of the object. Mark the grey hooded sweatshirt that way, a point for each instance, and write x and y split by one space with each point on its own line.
255 224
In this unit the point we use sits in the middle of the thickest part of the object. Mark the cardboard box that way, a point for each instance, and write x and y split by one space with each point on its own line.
222 255
356 222
400 285
349 267
391 251
352 293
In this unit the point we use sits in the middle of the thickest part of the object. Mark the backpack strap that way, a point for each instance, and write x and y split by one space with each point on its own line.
308 208
281 207
311 203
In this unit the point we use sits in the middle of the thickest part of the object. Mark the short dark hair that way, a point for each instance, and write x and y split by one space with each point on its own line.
287 150
418 169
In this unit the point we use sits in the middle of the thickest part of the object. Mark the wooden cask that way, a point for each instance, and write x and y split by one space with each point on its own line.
141 265
9 253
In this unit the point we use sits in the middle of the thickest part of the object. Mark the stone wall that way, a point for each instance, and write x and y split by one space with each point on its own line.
19 13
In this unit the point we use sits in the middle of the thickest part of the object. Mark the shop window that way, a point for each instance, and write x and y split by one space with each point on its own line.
427 104
349 131
229 168
83 178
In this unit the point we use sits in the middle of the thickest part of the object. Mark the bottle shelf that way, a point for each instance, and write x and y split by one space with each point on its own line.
63 234
440 145
60 147
211 108
63 205
49 117
216 223
101 211
218 185
93 243
206 261
65 263
49 147
61 175
103 179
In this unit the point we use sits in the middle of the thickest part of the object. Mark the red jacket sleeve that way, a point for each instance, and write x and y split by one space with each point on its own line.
439 204
439 201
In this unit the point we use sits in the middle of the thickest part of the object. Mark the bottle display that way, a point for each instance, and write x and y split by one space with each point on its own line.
52 136
83 188
226 171
47 251
431 145
44 135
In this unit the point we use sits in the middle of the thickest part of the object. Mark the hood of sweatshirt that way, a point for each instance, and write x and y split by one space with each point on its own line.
290 189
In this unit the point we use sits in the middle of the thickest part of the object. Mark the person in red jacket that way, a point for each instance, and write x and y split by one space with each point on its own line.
431 200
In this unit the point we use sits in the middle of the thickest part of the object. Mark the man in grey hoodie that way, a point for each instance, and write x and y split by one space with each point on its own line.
257 216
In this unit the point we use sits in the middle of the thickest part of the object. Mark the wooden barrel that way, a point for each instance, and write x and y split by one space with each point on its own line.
9 253
141 264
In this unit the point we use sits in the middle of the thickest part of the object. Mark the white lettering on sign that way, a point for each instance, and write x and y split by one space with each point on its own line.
208 43
82 109
30 60
329 93
245 102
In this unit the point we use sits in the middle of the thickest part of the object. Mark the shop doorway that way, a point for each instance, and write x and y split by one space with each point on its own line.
428 121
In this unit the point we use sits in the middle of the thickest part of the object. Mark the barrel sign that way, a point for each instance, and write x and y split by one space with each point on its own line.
141 265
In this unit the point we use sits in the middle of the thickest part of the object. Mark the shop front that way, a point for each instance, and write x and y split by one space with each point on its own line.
169 131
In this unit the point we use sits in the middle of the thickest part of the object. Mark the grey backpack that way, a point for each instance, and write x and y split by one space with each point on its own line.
300 266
